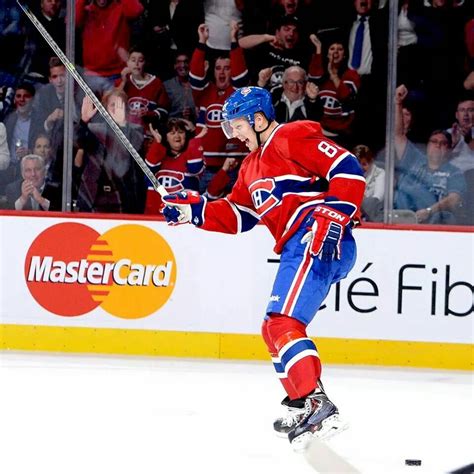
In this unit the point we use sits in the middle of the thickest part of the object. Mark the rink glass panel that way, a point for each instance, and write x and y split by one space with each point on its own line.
424 71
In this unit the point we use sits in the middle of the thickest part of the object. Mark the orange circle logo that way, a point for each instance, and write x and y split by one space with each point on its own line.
130 270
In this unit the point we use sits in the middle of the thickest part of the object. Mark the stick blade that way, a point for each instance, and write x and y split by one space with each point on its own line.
322 458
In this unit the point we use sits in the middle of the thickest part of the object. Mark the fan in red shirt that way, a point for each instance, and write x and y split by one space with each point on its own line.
105 34
229 74
146 93
338 86
176 160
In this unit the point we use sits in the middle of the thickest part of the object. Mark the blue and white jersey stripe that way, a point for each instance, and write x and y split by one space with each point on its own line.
246 218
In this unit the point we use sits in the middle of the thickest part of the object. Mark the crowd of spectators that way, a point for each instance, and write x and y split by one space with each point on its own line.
163 69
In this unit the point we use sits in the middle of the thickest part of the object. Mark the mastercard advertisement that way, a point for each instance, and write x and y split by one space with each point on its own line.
129 270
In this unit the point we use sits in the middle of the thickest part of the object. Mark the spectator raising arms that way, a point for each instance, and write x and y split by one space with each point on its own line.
229 73
278 51
146 93
426 183
111 180
338 88
176 161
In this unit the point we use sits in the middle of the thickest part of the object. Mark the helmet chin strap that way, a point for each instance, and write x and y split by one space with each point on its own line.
259 142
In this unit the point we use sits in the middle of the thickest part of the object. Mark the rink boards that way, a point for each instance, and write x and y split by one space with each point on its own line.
101 285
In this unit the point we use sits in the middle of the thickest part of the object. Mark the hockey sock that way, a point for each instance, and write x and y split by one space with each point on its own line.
277 362
294 355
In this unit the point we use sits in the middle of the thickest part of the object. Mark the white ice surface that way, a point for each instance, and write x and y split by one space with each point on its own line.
112 415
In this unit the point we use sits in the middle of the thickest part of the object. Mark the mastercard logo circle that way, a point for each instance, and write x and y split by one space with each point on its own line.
129 271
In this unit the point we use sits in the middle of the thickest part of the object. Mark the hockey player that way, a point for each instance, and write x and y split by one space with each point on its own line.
307 190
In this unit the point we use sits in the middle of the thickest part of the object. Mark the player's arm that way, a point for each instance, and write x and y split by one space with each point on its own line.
222 215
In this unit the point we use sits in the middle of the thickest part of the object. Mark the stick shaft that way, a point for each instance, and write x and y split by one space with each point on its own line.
88 91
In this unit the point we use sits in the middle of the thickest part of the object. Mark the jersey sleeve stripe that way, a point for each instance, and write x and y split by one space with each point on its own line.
197 83
345 164
349 176
240 76
246 218
335 164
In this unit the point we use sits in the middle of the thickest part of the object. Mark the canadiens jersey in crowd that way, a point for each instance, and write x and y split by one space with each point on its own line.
175 173
146 98
282 181
209 99
338 102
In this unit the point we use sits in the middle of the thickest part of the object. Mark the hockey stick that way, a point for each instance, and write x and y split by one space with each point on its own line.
88 91
323 459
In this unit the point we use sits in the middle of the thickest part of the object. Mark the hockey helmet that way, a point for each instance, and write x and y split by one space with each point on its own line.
244 103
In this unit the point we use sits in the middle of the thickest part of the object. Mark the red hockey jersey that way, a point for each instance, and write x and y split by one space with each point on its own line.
281 181
338 102
175 173
146 99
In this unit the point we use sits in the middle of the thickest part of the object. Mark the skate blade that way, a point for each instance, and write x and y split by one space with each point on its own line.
329 428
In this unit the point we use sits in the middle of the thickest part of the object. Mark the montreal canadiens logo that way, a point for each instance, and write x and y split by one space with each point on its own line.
171 180
129 270
262 197
138 106
214 115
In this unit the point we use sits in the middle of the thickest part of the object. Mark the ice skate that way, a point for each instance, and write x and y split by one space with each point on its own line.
294 414
320 419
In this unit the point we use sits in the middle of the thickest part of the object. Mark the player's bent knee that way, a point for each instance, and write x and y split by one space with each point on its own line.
281 329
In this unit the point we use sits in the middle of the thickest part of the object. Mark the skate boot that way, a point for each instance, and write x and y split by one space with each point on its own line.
320 419
294 414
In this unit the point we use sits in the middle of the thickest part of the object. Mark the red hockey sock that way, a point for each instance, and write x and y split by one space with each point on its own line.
294 355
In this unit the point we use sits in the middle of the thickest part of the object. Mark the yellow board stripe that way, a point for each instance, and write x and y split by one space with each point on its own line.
230 346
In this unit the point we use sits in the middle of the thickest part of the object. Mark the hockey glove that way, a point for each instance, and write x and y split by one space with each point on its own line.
326 233
184 207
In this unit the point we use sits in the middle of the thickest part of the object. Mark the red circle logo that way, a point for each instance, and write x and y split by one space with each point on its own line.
130 270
